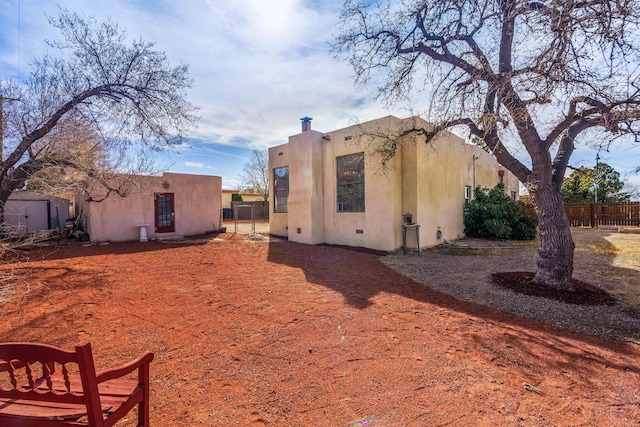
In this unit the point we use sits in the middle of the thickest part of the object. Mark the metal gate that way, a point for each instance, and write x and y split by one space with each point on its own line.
246 226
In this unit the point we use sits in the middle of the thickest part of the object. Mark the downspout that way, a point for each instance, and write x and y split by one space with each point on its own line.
473 190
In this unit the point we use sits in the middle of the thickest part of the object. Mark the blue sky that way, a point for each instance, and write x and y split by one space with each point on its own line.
258 67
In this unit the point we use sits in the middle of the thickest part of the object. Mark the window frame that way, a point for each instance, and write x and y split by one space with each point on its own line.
280 200
350 188
467 194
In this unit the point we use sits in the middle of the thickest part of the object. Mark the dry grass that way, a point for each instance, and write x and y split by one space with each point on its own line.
18 282
613 260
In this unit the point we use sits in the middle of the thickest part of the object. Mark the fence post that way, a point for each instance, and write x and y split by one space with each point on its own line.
592 215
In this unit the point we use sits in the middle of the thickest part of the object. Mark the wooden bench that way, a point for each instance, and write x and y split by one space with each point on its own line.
43 385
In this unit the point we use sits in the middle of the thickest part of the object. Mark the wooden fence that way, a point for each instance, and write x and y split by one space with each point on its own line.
595 214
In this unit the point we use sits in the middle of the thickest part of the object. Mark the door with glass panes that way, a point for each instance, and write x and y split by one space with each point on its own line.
165 213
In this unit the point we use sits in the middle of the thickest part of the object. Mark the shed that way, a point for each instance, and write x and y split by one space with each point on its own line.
29 212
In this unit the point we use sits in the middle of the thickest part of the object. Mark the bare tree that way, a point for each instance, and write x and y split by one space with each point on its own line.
515 73
98 112
256 173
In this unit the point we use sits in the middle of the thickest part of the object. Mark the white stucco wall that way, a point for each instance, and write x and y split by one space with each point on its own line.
197 204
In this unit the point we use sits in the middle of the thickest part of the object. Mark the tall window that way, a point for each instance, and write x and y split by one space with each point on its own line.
281 190
351 183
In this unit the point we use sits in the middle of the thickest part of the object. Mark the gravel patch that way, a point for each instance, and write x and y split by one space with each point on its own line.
463 269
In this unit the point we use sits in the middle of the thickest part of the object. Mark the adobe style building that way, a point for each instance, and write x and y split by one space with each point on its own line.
332 187
162 207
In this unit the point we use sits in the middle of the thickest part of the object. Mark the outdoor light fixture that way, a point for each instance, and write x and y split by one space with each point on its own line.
165 185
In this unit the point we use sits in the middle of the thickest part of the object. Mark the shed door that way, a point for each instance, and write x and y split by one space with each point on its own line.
165 213
26 216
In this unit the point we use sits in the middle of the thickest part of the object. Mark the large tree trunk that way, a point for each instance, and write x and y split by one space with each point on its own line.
4 196
555 256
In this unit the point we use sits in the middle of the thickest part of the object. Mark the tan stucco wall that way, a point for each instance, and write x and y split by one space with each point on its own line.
250 197
278 158
447 168
198 200
306 196
375 227
226 199
427 180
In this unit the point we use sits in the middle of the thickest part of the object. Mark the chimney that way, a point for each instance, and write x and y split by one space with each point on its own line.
306 123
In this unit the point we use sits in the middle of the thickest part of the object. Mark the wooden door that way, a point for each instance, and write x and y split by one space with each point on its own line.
165 213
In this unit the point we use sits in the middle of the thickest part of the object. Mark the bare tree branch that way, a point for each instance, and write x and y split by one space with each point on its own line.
125 93
256 173
518 74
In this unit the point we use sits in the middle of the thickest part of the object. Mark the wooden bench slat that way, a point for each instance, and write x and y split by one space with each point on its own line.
42 410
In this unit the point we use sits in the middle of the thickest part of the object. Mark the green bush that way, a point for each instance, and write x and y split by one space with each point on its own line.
493 215
236 197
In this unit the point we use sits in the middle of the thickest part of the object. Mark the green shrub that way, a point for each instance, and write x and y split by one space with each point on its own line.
493 215
236 197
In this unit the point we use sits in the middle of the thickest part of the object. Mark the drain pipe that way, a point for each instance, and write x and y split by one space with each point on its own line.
473 191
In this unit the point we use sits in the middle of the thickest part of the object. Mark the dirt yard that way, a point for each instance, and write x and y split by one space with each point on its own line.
259 333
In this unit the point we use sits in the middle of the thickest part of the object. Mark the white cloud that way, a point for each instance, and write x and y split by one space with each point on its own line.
195 164
257 66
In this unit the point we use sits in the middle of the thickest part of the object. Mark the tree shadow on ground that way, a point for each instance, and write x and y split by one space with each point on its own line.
361 277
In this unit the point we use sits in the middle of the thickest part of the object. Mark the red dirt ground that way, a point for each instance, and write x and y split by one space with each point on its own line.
284 334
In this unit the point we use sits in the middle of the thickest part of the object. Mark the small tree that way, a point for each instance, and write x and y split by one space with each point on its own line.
97 114
492 214
256 173
236 197
580 185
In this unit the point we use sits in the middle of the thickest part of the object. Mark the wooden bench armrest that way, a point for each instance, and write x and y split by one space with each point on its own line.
110 374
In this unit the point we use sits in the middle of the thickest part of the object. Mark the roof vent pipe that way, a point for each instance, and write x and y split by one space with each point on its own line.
306 123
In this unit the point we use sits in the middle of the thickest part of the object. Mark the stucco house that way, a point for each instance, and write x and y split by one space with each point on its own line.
163 207
332 187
